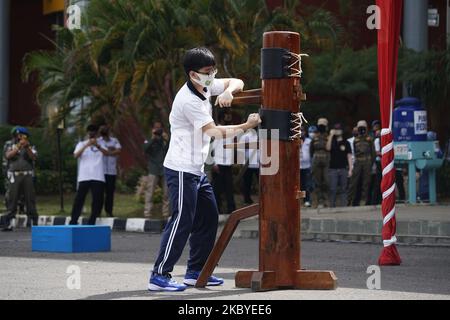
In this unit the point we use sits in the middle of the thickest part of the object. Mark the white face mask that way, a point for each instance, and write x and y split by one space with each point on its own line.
206 80
312 135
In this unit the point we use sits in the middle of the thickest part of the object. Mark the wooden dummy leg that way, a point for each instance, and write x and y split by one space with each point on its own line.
315 280
256 280
223 241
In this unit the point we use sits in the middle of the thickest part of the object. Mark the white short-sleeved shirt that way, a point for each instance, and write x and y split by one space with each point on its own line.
352 146
189 146
377 143
251 154
223 156
110 162
90 163
305 155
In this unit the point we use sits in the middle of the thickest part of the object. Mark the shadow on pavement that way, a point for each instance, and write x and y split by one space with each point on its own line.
208 294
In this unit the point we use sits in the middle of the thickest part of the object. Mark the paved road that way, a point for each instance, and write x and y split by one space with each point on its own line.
123 273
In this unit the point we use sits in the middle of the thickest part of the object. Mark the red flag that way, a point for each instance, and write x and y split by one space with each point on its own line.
388 44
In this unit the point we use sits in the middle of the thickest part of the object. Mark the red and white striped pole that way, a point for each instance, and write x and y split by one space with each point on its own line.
388 44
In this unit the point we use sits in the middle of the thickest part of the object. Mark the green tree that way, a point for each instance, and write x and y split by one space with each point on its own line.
124 65
345 81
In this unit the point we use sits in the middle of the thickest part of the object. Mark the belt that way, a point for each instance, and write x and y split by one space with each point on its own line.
364 158
22 173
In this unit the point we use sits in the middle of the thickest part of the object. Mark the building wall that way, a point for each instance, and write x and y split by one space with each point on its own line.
28 26
4 60
438 35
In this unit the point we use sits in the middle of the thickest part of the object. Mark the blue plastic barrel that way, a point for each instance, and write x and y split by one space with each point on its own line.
410 120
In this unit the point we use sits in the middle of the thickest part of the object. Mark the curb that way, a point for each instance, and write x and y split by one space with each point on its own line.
423 232
116 224
437 241
420 228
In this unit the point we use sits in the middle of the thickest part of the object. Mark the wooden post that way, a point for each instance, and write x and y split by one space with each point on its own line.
279 217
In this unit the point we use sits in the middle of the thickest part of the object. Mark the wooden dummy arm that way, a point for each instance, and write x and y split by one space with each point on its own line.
248 97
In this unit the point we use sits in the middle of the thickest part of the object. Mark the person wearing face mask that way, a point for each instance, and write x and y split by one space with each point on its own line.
341 165
155 149
351 140
112 144
364 159
91 175
21 156
192 202
305 165
312 132
320 163
375 191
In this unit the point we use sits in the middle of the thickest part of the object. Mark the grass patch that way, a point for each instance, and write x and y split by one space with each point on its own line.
125 206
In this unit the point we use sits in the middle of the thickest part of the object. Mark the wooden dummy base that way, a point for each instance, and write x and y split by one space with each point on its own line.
304 280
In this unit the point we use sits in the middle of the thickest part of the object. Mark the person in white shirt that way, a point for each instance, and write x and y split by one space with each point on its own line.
305 163
222 172
111 144
376 193
251 153
193 205
351 140
91 175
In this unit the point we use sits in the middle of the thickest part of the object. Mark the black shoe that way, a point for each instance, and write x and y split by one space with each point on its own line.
7 229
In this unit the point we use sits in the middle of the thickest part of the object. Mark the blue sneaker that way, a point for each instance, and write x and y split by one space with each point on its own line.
191 277
159 282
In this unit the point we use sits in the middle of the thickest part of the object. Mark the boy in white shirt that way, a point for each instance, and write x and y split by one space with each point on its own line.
193 205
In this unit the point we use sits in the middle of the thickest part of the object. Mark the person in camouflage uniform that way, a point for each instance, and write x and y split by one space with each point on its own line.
364 158
21 157
320 162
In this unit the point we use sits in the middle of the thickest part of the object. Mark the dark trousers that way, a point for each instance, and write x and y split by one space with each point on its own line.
400 187
319 170
306 183
361 170
110 188
375 194
338 185
223 185
247 181
194 217
97 189
22 185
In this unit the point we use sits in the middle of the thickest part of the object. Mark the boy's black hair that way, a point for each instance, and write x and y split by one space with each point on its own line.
92 127
197 58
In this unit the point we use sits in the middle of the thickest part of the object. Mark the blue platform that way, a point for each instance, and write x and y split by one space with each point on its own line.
71 238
